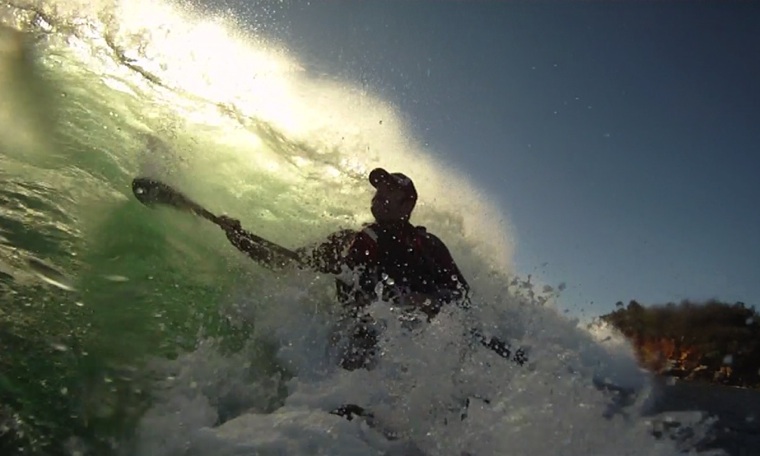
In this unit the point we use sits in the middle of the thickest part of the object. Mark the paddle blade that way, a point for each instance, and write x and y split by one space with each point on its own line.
151 192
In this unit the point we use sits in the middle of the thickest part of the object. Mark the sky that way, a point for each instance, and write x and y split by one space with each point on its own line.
621 138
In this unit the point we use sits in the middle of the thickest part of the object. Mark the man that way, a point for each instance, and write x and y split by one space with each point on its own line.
413 266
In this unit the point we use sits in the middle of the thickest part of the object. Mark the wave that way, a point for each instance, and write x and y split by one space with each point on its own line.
190 96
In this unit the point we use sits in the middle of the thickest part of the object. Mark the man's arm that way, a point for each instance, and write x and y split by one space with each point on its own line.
447 273
325 257
264 252
449 282
328 256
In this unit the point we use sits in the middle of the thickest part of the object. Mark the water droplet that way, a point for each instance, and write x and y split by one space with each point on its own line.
49 274
390 281
59 347
728 359
139 190
116 278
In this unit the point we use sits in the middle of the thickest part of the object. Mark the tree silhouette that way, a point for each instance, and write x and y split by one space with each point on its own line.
710 341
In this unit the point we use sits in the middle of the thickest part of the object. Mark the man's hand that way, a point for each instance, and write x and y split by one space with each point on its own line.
264 252
417 299
423 302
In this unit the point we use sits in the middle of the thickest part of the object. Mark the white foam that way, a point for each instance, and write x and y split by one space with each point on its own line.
553 405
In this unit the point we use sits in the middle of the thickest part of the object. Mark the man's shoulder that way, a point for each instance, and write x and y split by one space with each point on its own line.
425 234
430 240
343 232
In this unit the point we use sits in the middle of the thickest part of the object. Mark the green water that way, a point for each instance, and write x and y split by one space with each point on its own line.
145 283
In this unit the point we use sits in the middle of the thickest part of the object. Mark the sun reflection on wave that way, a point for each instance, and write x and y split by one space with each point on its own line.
214 74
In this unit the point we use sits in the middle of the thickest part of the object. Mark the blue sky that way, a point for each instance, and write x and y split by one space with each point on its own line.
622 138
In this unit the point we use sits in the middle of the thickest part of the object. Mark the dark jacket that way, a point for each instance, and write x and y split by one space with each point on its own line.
404 258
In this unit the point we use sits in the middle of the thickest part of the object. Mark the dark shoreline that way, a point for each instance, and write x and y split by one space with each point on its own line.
737 430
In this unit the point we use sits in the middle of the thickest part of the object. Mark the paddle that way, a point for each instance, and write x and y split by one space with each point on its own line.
151 192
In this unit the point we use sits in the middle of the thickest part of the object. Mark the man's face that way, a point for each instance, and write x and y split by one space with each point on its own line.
391 204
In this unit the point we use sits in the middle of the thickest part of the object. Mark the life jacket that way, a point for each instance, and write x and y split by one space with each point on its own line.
397 257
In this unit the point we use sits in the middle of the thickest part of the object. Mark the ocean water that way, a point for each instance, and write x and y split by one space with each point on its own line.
137 331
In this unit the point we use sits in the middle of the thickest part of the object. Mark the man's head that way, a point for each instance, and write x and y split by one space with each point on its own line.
395 197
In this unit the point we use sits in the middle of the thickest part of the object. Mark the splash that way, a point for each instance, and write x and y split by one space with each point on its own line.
213 76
